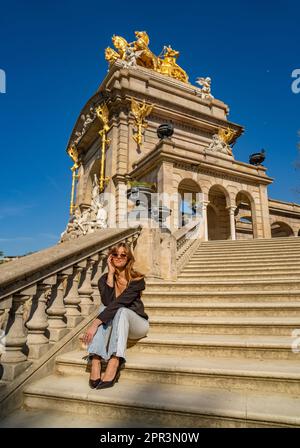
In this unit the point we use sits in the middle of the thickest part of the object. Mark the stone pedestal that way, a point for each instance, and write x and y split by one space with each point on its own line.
147 250
168 249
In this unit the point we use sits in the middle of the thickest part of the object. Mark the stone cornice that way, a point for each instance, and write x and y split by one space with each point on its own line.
289 204
283 208
122 89
118 87
197 162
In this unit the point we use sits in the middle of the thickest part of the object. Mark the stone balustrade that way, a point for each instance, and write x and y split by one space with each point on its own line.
185 240
46 294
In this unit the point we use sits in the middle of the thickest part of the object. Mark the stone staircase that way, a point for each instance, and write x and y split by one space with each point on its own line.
219 352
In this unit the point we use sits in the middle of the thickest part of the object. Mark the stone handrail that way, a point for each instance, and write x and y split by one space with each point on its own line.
46 294
186 239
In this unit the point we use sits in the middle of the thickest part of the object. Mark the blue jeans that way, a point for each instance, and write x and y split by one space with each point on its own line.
111 338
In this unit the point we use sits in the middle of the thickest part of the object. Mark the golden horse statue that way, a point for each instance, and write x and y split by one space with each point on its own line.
144 56
147 58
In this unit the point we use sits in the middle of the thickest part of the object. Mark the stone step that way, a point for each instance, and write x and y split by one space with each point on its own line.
274 242
268 272
220 258
207 276
228 309
234 374
283 326
172 406
54 418
250 251
208 297
258 247
234 346
209 264
256 284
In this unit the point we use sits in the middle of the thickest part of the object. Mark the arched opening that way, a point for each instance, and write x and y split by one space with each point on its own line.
299 232
190 201
281 229
243 216
218 220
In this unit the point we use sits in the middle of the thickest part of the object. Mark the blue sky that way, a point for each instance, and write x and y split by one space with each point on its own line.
53 57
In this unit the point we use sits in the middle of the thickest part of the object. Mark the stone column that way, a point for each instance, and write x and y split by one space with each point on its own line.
37 341
265 231
5 306
13 360
120 183
204 216
86 290
72 299
98 271
56 311
165 183
231 210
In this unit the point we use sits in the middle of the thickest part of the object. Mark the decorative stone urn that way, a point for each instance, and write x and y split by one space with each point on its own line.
165 130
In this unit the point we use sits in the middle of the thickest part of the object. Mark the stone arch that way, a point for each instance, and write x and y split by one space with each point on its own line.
218 220
190 196
281 229
221 189
245 216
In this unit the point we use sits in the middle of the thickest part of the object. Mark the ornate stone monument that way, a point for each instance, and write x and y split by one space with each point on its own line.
195 168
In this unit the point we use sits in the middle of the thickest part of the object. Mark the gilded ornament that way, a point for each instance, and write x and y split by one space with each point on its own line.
103 115
140 111
139 53
73 153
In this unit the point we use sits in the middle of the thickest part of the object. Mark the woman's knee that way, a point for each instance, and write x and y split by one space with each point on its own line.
124 312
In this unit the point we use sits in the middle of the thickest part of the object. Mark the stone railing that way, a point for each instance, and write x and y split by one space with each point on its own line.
187 241
45 295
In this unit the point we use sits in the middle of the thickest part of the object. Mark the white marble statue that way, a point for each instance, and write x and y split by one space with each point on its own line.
101 218
91 219
218 145
131 56
74 228
206 89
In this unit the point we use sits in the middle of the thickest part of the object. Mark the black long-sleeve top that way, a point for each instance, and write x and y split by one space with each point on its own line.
129 298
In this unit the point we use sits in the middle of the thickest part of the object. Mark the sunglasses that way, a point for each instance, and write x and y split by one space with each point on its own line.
119 255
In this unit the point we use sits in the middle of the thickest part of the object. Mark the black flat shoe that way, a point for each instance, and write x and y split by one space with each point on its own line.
94 383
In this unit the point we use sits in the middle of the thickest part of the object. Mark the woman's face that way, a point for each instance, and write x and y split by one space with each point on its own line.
120 257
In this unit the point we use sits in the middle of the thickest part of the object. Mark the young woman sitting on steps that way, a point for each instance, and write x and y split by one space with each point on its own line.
122 315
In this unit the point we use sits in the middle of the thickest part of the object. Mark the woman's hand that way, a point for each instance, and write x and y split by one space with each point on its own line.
111 267
89 334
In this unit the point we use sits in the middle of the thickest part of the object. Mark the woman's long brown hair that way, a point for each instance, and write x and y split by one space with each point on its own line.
130 272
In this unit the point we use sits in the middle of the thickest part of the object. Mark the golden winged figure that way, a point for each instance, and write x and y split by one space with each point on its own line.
103 115
226 135
140 110
73 153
